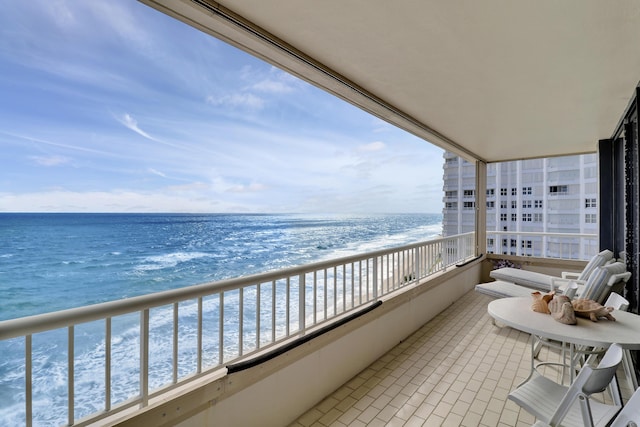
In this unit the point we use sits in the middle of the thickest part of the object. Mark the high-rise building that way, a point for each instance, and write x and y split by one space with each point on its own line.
538 207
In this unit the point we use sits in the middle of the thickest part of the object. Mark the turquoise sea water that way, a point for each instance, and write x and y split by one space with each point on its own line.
50 262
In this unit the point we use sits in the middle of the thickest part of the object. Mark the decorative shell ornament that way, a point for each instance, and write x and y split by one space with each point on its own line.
562 310
591 310
540 302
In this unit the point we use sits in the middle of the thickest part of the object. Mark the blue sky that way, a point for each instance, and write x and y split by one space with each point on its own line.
111 106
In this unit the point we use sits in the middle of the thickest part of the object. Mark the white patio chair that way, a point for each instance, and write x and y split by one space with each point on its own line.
618 302
556 404
600 285
630 414
544 282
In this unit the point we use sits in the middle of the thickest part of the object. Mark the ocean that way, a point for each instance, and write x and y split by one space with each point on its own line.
51 262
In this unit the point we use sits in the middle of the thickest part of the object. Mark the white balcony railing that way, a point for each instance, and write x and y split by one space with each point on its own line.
544 245
177 336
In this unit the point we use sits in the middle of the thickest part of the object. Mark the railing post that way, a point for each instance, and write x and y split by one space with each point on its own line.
199 337
144 357
221 327
28 376
107 364
71 373
375 278
241 321
174 349
302 321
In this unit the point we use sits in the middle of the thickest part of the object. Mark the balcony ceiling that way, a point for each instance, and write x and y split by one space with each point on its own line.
489 79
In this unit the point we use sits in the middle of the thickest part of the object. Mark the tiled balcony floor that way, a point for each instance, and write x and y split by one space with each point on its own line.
456 370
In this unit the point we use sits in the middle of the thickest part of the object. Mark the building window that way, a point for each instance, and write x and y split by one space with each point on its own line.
452 193
469 205
591 218
503 191
554 190
526 217
451 205
526 190
490 242
491 205
527 244
514 191
491 192
537 217
590 203
537 204
504 243
514 243
503 205
503 217
526 204
514 217
514 204
469 193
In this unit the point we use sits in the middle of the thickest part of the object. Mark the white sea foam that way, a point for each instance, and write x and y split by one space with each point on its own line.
170 260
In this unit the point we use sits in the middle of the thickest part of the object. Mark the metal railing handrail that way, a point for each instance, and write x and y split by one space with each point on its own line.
249 314
229 320
63 318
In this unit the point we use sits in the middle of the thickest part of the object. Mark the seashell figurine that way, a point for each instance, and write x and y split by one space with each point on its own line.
540 302
591 309
562 310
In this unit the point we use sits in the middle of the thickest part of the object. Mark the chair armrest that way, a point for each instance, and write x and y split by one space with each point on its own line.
570 275
624 277
562 286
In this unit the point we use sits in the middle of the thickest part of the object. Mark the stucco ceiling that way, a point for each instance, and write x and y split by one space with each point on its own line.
490 79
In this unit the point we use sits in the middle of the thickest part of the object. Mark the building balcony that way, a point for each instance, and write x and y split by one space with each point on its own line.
342 366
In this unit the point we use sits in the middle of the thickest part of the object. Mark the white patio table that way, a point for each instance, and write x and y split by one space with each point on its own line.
516 312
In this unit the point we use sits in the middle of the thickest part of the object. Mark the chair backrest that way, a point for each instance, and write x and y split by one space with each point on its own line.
598 260
596 286
617 301
590 380
604 373
630 414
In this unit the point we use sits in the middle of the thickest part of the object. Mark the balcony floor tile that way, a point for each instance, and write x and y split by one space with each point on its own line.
456 370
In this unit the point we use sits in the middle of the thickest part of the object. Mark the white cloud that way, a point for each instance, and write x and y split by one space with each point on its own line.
265 142
50 160
238 100
157 172
273 86
373 146
132 124
113 201
251 188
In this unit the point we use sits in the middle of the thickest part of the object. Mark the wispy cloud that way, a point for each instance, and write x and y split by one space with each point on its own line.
50 160
234 133
276 82
46 142
254 187
132 124
157 172
373 146
238 100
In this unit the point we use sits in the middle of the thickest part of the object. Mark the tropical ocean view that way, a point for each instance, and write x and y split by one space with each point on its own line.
51 262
